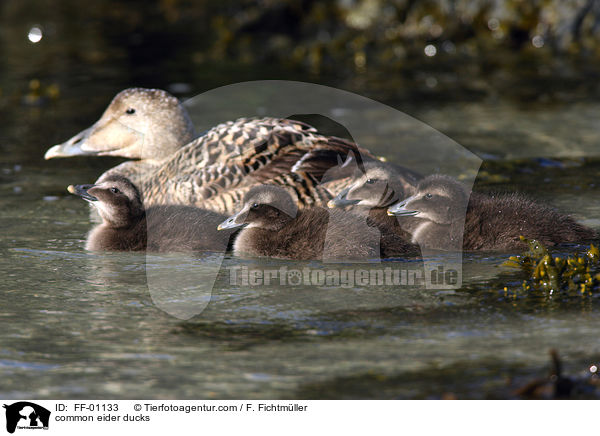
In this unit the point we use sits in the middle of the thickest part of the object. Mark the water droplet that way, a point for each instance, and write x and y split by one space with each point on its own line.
537 41
430 50
493 24
360 60
449 47
436 30
431 82
35 34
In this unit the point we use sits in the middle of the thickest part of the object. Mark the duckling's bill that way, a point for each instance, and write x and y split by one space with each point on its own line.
232 221
399 209
82 191
341 200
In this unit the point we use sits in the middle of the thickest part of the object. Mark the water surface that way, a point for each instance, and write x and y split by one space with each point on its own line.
82 325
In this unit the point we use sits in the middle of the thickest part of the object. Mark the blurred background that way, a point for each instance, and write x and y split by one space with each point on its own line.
503 78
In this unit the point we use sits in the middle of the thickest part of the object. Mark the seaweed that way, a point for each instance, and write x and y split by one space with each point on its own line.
578 273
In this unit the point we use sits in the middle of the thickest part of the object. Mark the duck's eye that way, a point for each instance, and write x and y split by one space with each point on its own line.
130 111
115 190
428 196
255 206
371 181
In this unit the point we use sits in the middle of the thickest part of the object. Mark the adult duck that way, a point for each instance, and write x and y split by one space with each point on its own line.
216 169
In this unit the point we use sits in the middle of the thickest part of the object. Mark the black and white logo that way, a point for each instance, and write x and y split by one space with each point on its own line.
26 415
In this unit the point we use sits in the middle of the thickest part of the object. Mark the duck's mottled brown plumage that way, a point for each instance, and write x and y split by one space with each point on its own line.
215 170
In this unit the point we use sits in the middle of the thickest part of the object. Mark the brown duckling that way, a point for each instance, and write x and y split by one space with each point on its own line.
216 169
273 226
435 213
374 190
127 226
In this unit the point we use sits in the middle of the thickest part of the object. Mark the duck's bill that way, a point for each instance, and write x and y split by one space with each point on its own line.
401 210
82 191
232 221
341 200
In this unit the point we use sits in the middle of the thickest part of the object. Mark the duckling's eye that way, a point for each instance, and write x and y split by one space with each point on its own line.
115 190
130 111
371 181
428 196
255 206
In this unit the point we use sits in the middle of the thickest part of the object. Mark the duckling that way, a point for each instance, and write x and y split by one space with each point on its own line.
215 170
273 226
435 213
374 189
127 226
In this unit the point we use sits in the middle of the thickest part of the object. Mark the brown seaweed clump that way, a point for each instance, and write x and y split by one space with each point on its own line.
579 273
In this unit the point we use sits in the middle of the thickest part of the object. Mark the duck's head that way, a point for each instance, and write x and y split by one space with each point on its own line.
379 185
438 198
117 200
266 206
138 124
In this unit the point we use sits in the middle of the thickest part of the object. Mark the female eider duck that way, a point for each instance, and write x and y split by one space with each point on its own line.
273 226
372 190
435 213
127 226
215 170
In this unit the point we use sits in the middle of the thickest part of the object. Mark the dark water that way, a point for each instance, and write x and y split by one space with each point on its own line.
81 325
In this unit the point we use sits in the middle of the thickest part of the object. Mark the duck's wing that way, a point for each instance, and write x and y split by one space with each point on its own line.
287 153
305 191
235 141
313 179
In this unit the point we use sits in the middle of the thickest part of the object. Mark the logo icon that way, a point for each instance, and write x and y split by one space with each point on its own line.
26 415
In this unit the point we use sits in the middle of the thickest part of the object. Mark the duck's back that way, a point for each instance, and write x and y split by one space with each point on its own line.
315 234
185 229
496 222
164 229
350 236
106 238
215 169
301 238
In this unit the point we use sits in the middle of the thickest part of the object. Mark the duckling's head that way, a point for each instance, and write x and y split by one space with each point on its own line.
116 198
138 124
438 198
379 185
266 206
